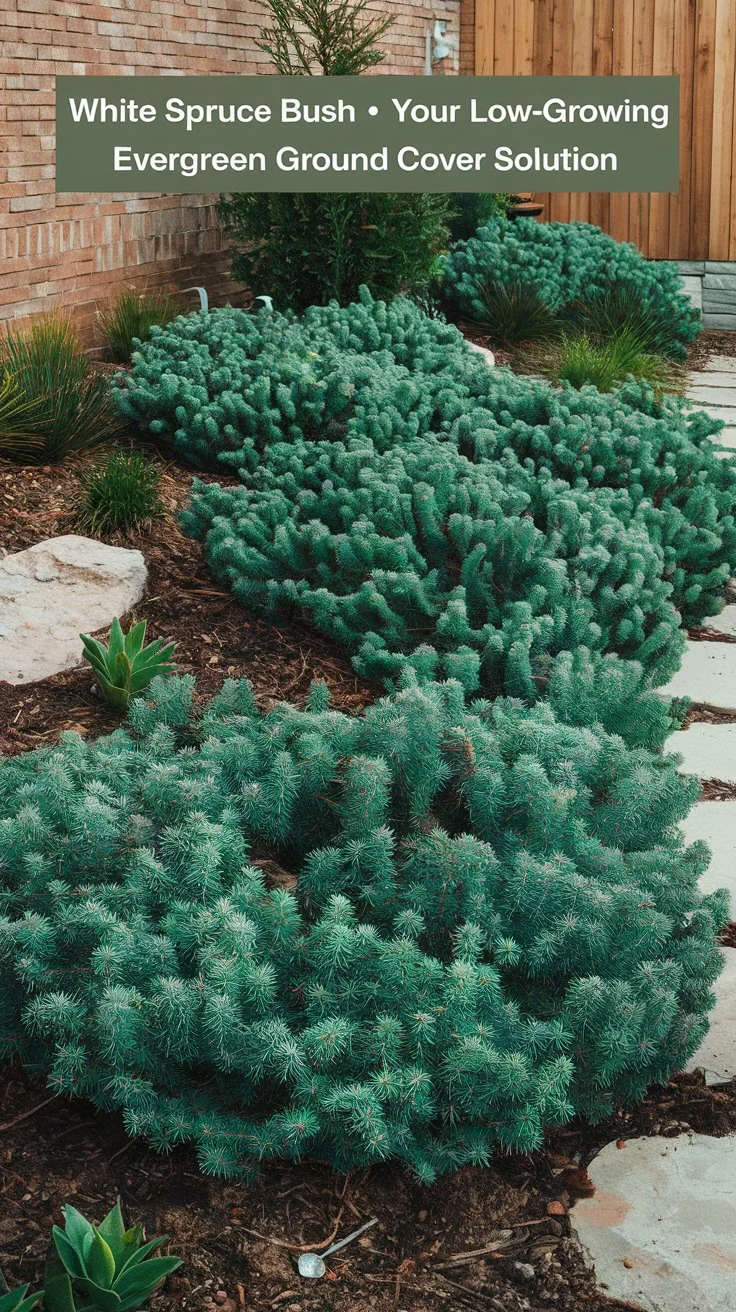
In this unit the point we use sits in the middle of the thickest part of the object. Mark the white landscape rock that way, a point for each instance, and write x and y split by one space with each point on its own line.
707 674
488 356
716 1056
708 751
660 1229
714 823
54 591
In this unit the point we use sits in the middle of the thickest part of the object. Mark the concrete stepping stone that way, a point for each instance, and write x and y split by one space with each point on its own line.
54 591
723 623
713 378
716 1056
703 393
722 363
707 674
725 412
715 824
660 1229
708 751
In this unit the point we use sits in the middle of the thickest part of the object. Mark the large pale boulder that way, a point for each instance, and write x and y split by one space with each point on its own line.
56 590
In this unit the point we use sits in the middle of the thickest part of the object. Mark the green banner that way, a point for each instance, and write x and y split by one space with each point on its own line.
380 133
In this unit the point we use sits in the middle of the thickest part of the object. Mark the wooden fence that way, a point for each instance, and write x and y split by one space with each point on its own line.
695 38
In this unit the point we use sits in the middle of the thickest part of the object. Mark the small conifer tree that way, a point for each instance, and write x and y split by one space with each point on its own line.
306 249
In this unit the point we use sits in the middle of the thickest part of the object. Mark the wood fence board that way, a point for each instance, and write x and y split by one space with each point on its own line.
693 38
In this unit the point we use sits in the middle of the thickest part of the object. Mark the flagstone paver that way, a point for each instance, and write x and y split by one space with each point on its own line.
722 363
716 1056
713 389
707 674
661 1227
723 623
708 751
715 824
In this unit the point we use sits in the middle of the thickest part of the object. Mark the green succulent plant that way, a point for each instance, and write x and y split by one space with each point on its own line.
106 1265
15 1300
125 666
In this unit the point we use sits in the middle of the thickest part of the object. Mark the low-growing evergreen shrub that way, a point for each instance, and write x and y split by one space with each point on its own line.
568 263
483 571
425 933
224 389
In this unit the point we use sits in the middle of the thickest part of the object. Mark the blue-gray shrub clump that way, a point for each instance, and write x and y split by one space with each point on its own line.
422 934
420 505
566 264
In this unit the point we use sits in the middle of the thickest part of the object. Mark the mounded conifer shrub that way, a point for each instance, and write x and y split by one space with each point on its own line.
425 934
567 264
480 571
221 388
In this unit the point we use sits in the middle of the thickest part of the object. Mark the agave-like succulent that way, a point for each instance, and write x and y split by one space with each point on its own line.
15 1300
125 667
108 1268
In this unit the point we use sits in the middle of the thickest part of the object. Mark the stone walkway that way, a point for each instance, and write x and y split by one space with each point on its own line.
713 389
661 1228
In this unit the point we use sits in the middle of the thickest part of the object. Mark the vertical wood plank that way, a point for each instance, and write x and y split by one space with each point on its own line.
581 64
524 37
504 40
703 112
600 201
543 50
642 52
722 144
662 63
683 62
732 233
484 36
621 64
563 32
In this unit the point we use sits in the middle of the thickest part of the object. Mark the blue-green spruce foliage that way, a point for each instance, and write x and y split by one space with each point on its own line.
425 933
420 507
567 264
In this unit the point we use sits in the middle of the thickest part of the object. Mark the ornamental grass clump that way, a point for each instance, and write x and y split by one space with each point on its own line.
64 407
129 319
568 264
605 361
119 494
422 934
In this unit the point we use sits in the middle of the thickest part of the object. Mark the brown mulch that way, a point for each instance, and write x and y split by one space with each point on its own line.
712 341
420 1257
728 935
715 790
216 637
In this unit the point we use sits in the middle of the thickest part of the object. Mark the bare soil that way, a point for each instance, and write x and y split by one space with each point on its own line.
216 637
240 1243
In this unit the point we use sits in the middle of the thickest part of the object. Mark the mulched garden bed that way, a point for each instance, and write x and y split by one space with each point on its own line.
240 1242
216 637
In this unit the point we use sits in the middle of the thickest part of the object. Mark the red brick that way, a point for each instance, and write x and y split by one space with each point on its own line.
73 250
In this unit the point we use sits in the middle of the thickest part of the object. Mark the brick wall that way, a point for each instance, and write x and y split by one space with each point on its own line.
74 251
